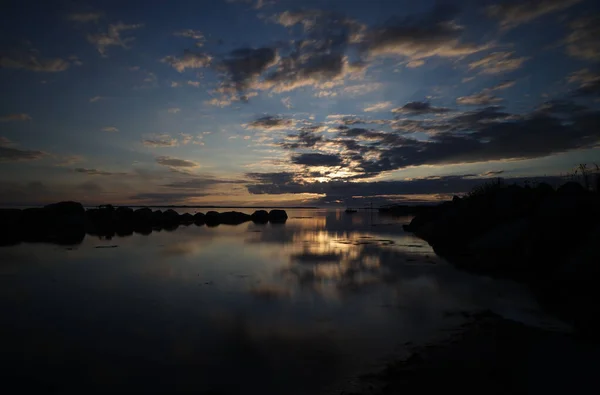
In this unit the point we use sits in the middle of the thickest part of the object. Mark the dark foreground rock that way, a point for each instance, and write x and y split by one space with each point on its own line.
539 236
260 216
68 222
491 355
278 216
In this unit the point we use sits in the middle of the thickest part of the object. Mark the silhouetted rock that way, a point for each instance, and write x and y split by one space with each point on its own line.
277 216
212 218
233 218
260 216
571 188
534 235
143 216
199 218
186 218
66 214
124 214
157 218
10 226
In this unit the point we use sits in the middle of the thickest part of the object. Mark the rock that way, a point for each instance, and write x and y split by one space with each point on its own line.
10 224
571 189
278 216
66 214
170 217
233 218
157 218
502 246
199 218
212 218
186 218
10 217
124 214
260 216
143 216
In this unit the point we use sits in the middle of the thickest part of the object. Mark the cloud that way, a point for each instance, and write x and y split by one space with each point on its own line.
243 66
193 34
110 129
15 117
85 17
95 99
514 13
503 85
175 84
174 162
174 110
325 94
498 62
94 172
270 122
478 99
381 106
189 60
170 197
362 89
161 140
112 37
283 183
11 154
287 102
588 81
195 84
415 63
313 159
33 62
201 182
584 40
418 108
421 36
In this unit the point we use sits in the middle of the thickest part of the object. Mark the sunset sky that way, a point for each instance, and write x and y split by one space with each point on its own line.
275 102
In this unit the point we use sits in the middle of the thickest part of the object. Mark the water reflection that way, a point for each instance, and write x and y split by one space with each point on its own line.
289 308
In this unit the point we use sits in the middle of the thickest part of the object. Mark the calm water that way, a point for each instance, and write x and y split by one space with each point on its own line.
297 308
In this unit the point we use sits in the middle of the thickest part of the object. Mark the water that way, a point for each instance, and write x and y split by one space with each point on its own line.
297 308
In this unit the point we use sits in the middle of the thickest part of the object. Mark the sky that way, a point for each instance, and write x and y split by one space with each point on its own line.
284 102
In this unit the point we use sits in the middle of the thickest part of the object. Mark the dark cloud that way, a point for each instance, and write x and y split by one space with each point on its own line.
419 108
424 186
498 62
9 154
84 17
516 12
34 62
421 36
479 99
584 40
95 172
304 139
244 65
588 81
170 197
201 182
271 122
15 118
313 159
174 162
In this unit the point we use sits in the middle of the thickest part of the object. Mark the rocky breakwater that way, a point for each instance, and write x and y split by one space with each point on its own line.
549 239
68 222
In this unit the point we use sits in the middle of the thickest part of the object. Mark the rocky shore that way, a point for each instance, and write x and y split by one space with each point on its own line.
544 237
493 355
68 222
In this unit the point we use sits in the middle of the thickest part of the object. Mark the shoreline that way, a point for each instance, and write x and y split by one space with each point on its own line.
489 354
